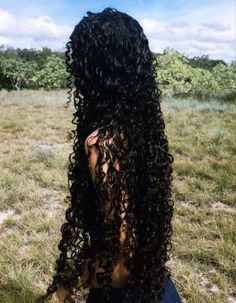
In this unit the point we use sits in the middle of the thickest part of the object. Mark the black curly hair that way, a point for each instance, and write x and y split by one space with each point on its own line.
112 81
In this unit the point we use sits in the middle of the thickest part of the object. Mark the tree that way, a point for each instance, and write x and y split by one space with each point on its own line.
203 84
173 73
52 75
204 62
13 71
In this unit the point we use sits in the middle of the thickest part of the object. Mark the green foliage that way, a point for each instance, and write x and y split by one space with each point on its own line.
202 83
52 75
204 62
225 76
173 73
15 73
30 68
177 75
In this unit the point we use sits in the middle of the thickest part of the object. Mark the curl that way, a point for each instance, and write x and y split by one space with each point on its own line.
114 74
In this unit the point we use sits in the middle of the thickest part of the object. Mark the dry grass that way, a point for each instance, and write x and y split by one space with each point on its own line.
34 159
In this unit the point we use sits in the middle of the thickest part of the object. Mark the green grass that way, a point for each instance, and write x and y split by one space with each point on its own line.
34 158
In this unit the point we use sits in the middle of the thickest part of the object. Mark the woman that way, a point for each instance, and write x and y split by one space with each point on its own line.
117 236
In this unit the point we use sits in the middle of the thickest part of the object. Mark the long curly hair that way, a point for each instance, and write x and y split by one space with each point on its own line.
112 81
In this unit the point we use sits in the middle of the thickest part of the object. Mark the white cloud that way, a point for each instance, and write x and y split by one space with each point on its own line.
216 26
5 40
40 29
210 31
204 46
155 28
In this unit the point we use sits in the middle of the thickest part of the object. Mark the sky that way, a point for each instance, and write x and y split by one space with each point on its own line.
195 28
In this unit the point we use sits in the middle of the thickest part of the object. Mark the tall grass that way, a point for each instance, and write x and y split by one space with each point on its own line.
34 160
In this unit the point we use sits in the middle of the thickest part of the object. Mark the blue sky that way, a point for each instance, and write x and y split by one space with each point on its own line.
193 27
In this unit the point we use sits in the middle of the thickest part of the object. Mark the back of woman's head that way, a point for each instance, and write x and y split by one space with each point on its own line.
112 67
110 53
112 72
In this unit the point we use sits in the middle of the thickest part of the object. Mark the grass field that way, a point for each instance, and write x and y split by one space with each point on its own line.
33 162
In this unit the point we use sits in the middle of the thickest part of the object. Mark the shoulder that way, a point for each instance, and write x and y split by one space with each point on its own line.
90 140
93 151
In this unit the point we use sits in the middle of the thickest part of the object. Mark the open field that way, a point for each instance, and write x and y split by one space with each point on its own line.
33 183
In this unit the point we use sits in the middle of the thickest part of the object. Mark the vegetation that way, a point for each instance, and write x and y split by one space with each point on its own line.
178 75
29 68
200 78
34 159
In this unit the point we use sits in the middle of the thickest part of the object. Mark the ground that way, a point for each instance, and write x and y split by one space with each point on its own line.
34 160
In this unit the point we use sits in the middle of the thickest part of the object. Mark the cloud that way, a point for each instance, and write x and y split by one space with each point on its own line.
41 28
208 30
5 40
203 46
213 38
216 26
156 29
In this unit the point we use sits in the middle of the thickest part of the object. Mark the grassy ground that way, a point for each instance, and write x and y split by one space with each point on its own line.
34 159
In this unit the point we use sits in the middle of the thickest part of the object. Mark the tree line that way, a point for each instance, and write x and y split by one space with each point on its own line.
177 74
198 77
